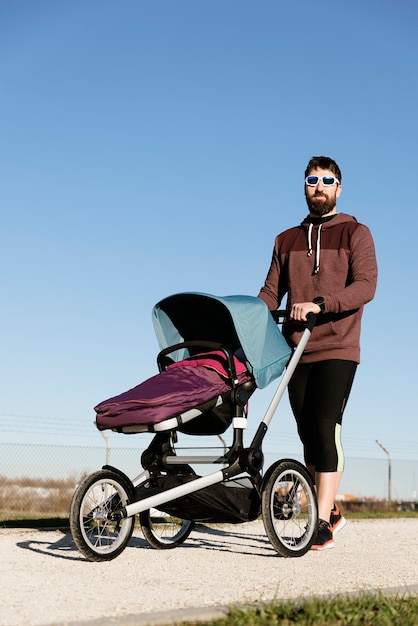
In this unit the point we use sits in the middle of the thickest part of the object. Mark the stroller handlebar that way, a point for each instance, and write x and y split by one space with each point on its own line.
280 314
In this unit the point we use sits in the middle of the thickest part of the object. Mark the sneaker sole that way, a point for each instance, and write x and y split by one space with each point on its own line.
339 525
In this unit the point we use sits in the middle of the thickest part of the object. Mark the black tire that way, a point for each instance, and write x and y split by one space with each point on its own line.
289 508
163 531
97 537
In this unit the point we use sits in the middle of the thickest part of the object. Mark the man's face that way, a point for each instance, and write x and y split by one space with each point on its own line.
322 199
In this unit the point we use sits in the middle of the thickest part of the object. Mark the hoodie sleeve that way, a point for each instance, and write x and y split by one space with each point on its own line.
275 285
362 281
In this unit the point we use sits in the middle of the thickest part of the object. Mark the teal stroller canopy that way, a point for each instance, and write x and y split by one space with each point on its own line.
238 322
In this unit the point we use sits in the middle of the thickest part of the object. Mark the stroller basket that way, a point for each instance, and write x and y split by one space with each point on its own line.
230 502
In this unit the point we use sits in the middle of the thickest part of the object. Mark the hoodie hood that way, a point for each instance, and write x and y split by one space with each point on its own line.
315 225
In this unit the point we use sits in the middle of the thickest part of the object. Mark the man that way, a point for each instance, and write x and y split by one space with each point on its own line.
327 266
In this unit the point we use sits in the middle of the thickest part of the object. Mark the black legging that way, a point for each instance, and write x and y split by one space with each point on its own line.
318 394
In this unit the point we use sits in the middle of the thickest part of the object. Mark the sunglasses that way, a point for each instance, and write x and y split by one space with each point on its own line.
327 181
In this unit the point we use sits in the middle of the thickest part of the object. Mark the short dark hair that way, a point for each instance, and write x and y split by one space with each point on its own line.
324 163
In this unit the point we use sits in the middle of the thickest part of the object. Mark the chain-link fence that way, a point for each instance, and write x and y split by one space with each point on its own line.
38 481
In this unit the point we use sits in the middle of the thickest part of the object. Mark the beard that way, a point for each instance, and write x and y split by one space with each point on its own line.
320 204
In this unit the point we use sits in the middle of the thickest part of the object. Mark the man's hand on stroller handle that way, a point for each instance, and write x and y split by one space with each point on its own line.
311 313
300 310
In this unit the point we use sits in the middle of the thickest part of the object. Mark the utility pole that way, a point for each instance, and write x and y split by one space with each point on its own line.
389 470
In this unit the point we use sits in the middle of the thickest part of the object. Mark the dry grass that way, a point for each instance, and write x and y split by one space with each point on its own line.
28 498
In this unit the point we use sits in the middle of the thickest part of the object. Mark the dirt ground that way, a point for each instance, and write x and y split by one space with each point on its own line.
44 580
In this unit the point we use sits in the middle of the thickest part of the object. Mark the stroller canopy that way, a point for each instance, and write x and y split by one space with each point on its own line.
238 322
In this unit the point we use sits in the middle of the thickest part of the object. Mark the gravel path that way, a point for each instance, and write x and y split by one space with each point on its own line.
44 580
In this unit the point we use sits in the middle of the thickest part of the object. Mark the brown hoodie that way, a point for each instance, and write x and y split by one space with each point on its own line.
333 258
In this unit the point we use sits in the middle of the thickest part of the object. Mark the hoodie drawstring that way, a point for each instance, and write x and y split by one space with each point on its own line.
310 239
318 245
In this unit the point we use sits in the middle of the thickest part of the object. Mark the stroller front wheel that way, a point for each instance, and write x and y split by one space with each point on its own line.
164 531
96 535
289 508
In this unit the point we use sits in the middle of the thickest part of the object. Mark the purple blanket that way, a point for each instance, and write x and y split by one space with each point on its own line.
182 386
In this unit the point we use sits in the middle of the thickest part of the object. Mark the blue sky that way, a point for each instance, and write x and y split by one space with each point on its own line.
151 147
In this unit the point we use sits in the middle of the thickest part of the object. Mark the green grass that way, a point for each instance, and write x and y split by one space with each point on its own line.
38 520
367 610
373 514
31 522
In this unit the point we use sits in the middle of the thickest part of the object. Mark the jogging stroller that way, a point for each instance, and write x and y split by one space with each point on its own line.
215 353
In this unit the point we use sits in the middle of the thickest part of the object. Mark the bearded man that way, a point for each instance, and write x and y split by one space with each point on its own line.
326 266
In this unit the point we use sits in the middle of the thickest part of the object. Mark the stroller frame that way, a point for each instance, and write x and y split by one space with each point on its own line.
104 506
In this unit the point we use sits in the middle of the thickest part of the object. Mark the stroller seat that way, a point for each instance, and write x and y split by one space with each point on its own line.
199 388
215 351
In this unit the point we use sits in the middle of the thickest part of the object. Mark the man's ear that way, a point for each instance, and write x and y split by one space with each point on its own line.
339 190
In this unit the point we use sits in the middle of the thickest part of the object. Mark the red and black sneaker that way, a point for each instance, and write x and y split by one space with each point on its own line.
324 538
336 520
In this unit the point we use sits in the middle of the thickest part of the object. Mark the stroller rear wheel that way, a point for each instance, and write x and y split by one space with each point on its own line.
97 536
164 531
289 508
